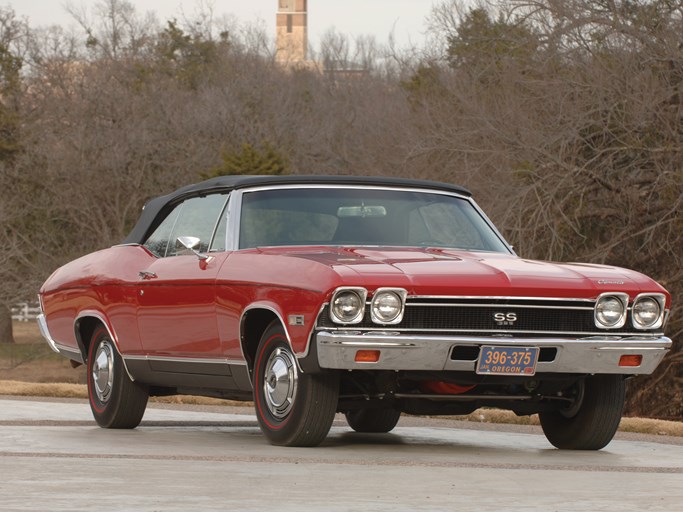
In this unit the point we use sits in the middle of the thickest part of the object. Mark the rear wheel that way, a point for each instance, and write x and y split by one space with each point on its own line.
292 408
115 400
373 421
592 420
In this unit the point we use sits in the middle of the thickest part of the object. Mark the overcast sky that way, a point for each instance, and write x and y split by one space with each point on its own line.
354 17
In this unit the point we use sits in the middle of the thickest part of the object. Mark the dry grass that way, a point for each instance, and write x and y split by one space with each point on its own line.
62 390
198 400
31 360
26 332
637 425
58 390
498 416
649 426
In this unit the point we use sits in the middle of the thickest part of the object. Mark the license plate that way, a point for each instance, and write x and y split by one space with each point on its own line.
507 360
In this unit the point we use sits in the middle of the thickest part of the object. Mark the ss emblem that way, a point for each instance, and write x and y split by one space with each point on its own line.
505 318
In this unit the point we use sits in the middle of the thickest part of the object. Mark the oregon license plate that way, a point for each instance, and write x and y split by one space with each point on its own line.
507 360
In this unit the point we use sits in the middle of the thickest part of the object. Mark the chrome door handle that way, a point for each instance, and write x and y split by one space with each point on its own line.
146 275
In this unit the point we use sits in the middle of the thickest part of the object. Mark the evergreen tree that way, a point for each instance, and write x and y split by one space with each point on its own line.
249 159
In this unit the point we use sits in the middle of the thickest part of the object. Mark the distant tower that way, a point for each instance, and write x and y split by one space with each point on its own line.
292 31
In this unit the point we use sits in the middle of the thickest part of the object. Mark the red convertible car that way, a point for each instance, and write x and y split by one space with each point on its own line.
312 295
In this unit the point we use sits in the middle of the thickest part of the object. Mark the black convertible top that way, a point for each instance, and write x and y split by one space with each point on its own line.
151 217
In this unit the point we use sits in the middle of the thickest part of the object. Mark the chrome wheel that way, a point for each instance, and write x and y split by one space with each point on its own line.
103 371
292 408
279 383
115 400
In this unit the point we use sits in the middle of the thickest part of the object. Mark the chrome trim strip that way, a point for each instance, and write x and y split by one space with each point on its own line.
232 239
491 225
269 308
224 211
596 355
70 353
260 188
282 321
195 360
460 305
44 331
311 334
112 334
497 297
374 344
57 347
469 199
496 331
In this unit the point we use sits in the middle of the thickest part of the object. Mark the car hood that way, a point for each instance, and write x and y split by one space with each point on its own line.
449 272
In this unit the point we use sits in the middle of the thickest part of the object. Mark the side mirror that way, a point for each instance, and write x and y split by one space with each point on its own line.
189 243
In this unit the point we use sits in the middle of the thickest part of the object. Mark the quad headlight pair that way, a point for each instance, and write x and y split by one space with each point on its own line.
386 307
647 311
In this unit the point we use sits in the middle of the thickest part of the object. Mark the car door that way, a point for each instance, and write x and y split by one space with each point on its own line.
177 290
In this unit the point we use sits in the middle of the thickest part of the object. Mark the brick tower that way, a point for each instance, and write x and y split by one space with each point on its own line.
292 31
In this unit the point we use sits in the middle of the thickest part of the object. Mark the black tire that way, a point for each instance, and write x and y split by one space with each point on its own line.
373 421
115 400
589 424
292 408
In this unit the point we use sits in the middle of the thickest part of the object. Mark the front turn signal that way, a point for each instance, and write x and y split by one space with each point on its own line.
631 360
367 356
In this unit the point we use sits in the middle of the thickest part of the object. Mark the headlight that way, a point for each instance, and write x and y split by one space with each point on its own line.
387 305
648 311
348 305
610 310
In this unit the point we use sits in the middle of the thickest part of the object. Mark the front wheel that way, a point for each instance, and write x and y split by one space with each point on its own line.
592 420
115 400
292 408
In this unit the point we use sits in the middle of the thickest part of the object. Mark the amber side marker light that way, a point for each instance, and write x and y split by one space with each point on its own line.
367 356
630 360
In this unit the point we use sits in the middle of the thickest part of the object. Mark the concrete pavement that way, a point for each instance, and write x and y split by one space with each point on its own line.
54 457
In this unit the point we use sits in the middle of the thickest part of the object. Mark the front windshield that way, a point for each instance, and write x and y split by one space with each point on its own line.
363 217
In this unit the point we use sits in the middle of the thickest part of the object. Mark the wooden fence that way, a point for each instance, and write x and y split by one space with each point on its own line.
25 311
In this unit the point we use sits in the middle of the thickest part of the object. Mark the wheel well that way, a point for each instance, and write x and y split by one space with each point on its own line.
254 324
85 327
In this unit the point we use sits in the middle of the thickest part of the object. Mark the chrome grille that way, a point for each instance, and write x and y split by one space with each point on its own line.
476 315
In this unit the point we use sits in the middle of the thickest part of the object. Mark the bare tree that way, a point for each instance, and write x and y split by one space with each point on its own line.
564 118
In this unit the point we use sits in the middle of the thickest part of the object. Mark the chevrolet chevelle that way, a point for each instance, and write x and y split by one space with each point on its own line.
312 295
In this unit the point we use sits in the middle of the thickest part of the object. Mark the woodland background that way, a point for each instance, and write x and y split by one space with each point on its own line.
564 117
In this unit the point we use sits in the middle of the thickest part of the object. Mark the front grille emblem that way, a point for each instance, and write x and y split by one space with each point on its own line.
502 319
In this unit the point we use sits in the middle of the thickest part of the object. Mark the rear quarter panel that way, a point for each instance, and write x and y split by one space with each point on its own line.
102 283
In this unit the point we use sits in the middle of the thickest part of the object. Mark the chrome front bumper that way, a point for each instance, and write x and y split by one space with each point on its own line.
337 350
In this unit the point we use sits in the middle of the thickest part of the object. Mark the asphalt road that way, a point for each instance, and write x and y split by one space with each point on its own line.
53 457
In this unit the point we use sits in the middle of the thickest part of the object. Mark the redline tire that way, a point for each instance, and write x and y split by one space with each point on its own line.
292 408
373 421
115 400
593 423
